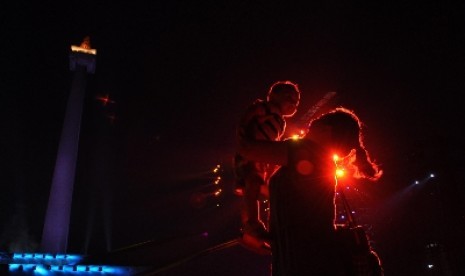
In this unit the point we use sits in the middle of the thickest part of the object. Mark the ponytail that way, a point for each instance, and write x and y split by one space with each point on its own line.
365 168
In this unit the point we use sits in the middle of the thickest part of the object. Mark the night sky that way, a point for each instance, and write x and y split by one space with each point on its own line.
180 74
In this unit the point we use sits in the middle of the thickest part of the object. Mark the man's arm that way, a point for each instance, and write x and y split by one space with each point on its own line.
272 152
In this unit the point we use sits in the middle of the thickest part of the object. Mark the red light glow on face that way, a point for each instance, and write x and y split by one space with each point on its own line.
304 167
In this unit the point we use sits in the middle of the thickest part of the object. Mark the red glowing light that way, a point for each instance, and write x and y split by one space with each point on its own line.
339 169
105 99
339 173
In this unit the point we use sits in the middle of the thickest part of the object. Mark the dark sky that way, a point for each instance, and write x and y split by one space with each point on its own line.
180 74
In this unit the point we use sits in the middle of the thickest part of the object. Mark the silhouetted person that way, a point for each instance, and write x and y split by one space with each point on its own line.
303 192
263 120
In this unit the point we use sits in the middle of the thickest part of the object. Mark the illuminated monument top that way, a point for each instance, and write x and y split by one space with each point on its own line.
83 55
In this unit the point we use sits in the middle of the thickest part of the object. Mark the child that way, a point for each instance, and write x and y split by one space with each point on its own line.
263 120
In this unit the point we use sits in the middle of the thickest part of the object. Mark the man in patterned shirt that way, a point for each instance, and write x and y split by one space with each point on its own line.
264 120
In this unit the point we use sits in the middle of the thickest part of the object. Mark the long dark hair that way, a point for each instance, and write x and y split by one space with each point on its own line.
347 131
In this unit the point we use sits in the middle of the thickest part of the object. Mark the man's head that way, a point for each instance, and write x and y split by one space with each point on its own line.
286 95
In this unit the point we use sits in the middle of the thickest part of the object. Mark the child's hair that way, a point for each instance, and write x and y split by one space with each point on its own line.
347 132
283 86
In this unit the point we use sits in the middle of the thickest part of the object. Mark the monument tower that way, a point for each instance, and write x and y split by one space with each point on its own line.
57 218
